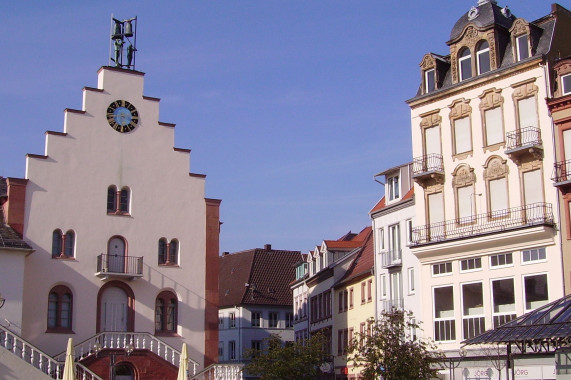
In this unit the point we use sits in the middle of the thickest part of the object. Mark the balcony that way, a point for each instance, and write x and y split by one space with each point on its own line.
427 168
525 142
118 266
535 214
562 174
391 258
389 305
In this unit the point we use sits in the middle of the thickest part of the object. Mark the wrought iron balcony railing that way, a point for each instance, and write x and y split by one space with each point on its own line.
523 138
391 258
389 305
562 173
427 165
119 265
491 222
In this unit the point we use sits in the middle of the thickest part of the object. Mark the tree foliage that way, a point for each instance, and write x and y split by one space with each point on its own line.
390 350
292 361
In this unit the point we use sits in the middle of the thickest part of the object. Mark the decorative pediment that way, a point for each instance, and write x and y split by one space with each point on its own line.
495 168
524 89
430 119
463 175
428 62
519 27
460 108
491 98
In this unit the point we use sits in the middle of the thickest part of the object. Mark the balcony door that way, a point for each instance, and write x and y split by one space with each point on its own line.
114 309
116 255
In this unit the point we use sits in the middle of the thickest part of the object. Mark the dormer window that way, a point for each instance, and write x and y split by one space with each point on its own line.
429 81
465 64
393 188
522 46
483 57
566 84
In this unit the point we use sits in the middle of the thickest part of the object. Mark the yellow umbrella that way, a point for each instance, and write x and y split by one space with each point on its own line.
183 364
69 367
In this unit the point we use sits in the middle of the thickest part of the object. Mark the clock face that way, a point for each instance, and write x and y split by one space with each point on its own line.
122 116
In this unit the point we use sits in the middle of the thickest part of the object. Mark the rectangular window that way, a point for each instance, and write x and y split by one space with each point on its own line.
257 345
444 323
273 319
429 80
345 300
369 290
289 319
351 298
498 194
232 320
220 351
256 318
383 286
432 140
441 269
435 203
566 84
394 238
220 321
522 47
532 187
533 255
340 342
527 112
471 264
232 349
393 188
503 300
341 303
472 310
411 287
409 236
536 293
501 260
363 291
494 126
462 135
380 240
464 199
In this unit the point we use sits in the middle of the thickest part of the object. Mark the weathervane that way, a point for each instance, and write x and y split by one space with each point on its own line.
123 43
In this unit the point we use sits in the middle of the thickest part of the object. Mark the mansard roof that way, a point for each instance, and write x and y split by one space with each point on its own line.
257 277
484 15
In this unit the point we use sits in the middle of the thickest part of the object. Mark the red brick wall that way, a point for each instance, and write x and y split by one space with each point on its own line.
16 204
212 269
146 365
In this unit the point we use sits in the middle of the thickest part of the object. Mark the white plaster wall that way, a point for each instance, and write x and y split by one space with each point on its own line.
68 190
12 287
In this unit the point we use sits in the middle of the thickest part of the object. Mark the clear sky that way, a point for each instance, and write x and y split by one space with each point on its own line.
289 107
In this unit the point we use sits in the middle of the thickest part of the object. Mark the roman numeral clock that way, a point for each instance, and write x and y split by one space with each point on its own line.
122 116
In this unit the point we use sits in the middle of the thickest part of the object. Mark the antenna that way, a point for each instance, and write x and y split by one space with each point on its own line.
123 43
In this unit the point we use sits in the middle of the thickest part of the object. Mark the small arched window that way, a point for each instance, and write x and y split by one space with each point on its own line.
124 200
60 307
483 57
166 313
162 251
173 252
111 199
69 244
56 243
465 64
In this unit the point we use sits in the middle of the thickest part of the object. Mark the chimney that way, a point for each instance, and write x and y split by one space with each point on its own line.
268 247
225 253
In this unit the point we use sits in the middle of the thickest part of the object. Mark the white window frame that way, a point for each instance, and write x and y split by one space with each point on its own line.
232 350
232 320
563 87
448 273
518 52
409 236
411 282
435 319
259 319
499 266
523 277
383 285
494 313
470 316
480 52
531 261
393 189
272 320
460 60
426 81
475 269
381 239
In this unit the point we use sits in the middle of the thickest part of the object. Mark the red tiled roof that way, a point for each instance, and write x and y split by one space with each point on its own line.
382 203
356 240
268 274
363 262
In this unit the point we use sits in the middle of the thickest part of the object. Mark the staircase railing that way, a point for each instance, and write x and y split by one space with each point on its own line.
220 372
128 340
39 359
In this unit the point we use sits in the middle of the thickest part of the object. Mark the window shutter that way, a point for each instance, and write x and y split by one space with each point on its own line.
462 138
527 111
532 189
494 128
464 201
432 140
498 192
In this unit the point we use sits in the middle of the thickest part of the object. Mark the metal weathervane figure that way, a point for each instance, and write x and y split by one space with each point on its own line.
123 43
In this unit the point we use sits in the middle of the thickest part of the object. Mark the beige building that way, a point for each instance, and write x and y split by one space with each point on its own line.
486 228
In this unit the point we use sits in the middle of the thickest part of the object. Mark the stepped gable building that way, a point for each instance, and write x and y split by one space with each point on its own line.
486 231
255 299
124 241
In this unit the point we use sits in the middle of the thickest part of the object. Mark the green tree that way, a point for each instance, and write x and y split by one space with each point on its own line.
295 361
390 349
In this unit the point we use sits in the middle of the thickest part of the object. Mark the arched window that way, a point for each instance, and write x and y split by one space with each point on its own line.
162 251
166 313
483 57
124 203
465 64
173 252
56 243
111 199
69 243
60 307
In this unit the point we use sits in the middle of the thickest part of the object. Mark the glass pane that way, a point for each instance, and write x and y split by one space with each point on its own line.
173 251
465 65
65 318
567 142
159 306
494 127
473 303
69 243
111 202
483 61
462 135
566 83
432 140
444 302
56 243
52 309
536 293
503 295
429 78
522 48
171 315
124 200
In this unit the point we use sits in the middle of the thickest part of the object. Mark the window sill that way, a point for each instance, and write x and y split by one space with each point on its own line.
59 330
494 147
169 265
462 156
63 257
118 213
167 334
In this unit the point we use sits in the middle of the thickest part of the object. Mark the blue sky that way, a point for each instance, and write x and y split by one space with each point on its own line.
289 107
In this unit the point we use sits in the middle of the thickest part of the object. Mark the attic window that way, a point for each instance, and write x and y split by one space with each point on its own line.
483 57
566 84
429 81
522 46
465 64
